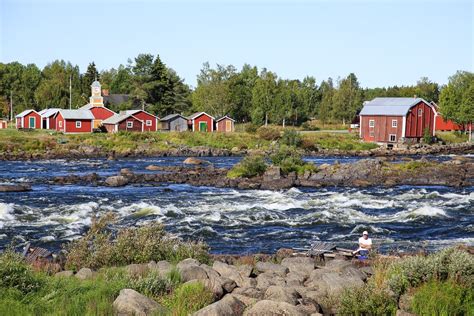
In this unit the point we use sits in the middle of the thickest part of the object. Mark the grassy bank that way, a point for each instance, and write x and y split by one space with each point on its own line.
264 138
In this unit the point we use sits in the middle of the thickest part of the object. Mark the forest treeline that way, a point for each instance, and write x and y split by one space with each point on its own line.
248 95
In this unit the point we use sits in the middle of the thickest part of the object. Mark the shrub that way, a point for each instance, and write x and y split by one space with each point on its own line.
152 285
289 160
443 298
268 133
188 298
427 136
100 248
291 137
250 166
367 300
16 274
251 128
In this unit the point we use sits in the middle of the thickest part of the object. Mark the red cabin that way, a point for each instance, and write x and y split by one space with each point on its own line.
74 121
3 124
28 119
150 121
225 124
47 118
201 122
123 122
392 120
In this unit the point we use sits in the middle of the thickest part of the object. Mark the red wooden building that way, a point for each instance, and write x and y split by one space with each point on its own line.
446 125
3 124
392 120
74 121
225 124
201 122
99 112
28 119
150 121
123 122
48 120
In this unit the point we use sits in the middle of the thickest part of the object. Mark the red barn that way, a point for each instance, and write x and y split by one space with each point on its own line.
150 121
392 120
28 119
446 125
201 122
99 112
47 118
225 124
74 121
123 122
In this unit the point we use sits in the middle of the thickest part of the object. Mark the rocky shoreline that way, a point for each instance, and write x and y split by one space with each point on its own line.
89 152
457 172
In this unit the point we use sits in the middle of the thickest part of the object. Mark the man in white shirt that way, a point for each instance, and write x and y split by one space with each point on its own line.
365 244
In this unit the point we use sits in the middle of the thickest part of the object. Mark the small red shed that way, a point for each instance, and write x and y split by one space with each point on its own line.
74 121
225 124
150 121
123 122
201 122
28 119
3 124
392 120
47 118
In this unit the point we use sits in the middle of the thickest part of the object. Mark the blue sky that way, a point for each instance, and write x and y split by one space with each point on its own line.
382 42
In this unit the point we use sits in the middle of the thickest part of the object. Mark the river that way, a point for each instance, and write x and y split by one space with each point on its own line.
229 220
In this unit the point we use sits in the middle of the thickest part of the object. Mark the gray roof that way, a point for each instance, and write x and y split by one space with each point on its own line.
390 106
25 112
48 112
225 116
172 116
117 118
88 106
76 114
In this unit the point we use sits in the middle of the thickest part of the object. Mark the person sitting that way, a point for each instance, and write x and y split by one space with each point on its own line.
365 244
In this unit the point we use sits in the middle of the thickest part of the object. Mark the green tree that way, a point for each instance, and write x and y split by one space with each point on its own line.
326 90
89 77
263 97
457 98
347 99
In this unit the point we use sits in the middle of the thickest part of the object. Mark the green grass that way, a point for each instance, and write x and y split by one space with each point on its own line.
452 137
187 298
341 141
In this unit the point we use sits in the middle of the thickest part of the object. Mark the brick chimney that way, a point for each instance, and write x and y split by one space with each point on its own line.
105 92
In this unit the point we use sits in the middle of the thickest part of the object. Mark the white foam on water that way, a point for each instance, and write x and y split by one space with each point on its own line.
6 216
47 238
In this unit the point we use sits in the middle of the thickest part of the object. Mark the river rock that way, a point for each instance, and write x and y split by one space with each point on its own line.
187 262
126 172
161 267
116 181
192 272
271 267
152 168
67 273
303 265
230 272
268 307
85 274
266 279
296 278
194 161
282 294
227 306
249 292
132 303
272 173
15 187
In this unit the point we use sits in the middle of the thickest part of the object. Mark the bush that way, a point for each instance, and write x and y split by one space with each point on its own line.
251 128
289 160
152 285
16 274
100 248
367 300
291 137
188 298
269 132
427 136
249 167
443 298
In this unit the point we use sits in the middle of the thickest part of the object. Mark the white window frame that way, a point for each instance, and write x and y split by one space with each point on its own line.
148 123
420 112
129 124
60 124
394 138
78 124
394 123
371 123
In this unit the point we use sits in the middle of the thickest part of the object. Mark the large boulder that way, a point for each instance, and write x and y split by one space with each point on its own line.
272 173
67 273
161 267
271 267
132 303
116 181
152 168
265 280
296 278
249 292
268 307
192 272
15 187
187 262
85 274
231 272
229 305
303 265
282 294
